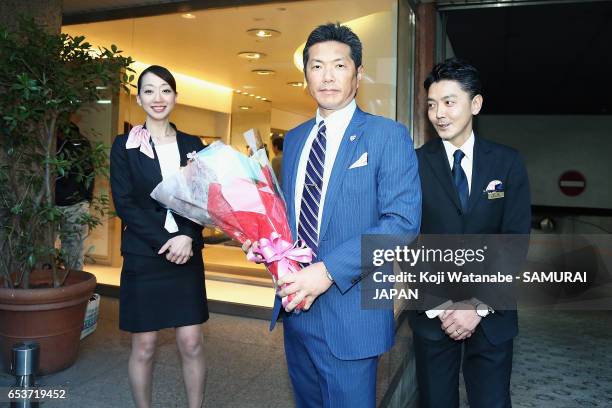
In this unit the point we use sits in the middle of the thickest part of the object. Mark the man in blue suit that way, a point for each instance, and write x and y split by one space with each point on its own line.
345 173
470 186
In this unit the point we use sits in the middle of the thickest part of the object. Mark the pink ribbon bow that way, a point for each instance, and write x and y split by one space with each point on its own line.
278 250
140 137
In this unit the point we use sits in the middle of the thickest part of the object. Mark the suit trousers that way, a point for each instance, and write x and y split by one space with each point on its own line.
486 371
319 379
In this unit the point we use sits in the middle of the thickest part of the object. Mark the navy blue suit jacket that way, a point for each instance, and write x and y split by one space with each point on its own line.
383 197
133 176
442 214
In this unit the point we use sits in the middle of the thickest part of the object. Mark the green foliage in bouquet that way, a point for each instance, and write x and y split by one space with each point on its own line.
43 79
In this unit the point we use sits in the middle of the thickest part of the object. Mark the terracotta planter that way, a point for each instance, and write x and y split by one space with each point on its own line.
53 317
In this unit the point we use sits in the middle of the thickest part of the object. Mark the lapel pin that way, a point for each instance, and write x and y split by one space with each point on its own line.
352 138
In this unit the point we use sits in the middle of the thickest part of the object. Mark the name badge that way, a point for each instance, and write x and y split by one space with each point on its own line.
495 194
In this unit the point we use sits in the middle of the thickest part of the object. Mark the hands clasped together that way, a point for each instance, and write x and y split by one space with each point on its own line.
460 320
178 248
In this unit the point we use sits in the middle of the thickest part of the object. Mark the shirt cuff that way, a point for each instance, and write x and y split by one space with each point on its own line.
438 310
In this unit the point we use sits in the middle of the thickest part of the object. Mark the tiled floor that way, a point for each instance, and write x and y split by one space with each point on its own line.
246 367
562 360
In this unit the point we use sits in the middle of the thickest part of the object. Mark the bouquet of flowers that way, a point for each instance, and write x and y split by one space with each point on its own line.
240 195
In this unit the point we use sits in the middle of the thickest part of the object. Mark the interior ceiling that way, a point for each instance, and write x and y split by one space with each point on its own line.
85 6
206 47
550 59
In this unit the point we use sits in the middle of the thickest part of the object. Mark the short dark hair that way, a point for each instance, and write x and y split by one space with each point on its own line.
277 142
161 72
334 32
455 69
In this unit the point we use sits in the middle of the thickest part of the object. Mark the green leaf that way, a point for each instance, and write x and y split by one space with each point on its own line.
43 76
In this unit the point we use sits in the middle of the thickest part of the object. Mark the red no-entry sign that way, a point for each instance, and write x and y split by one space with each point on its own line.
572 183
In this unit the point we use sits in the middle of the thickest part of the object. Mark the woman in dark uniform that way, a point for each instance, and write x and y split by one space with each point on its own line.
162 280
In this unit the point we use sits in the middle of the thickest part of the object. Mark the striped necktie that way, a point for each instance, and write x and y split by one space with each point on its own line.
311 194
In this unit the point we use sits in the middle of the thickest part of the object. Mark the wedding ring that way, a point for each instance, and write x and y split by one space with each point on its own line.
458 332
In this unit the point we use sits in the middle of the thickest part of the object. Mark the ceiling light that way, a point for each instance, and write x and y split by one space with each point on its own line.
244 107
264 71
104 101
251 95
251 55
264 99
258 97
263 32
296 84
188 16
238 91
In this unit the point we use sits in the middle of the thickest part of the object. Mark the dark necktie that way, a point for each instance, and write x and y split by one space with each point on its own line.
460 179
311 194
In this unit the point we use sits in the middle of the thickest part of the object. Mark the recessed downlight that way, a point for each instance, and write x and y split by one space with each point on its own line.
263 32
251 55
264 72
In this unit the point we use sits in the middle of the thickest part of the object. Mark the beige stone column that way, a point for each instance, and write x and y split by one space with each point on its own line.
425 58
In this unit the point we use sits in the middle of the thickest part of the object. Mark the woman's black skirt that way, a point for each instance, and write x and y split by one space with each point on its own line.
157 294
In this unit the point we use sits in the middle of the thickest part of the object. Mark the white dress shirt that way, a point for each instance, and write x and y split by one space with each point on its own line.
467 164
169 163
335 125
169 159
468 161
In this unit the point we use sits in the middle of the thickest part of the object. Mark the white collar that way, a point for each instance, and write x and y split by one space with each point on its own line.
339 119
467 148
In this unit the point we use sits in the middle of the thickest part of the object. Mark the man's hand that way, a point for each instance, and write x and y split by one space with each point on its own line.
460 320
247 246
179 249
306 284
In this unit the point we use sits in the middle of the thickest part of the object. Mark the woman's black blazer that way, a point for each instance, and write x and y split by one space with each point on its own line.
133 176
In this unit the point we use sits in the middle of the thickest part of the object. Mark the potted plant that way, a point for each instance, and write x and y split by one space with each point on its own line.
43 79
